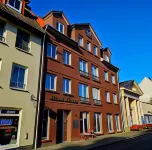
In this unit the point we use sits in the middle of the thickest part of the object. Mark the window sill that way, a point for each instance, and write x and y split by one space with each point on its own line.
111 132
22 50
107 81
96 56
97 104
119 131
45 141
18 89
87 103
116 103
4 43
114 84
66 94
53 59
87 77
109 102
69 66
51 91
96 81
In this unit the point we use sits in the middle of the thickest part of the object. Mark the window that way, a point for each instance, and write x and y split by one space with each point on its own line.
95 74
109 122
95 50
88 46
107 97
17 4
107 58
50 82
52 51
113 79
18 76
97 122
83 93
84 122
80 40
67 86
67 58
2 32
83 67
115 98
106 76
117 122
96 96
22 40
45 124
60 27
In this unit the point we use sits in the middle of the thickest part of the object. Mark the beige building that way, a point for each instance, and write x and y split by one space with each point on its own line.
131 107
20 55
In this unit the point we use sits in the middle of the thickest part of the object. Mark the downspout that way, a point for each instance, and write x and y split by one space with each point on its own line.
39 90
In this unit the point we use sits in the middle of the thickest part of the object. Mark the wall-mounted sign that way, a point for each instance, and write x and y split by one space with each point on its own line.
88 33
4 122
67 100
5 111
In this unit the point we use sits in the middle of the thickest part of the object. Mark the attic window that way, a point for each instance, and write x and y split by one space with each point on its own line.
107 58
60 27
15 4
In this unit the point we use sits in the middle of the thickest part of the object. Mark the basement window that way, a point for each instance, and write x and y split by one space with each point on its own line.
15 4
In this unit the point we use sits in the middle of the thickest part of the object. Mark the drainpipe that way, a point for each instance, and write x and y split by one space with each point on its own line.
39 90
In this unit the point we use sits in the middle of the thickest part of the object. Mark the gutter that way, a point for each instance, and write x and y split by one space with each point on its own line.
39 91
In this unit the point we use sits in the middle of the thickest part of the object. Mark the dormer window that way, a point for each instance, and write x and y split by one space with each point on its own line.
60 27
95 50
16 4
106 58
80 40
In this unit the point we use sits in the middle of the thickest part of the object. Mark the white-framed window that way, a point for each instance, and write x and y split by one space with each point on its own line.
88 46
95 50
107 96
98 122
18 76
95 73
2 26
113 79
16 4
83 67
80 40
45 124
106 76
67 86
22 40
106 58
117 119
51 51
114 98
83 92
50 82
60 27
84 122
67 57
96 96
109 122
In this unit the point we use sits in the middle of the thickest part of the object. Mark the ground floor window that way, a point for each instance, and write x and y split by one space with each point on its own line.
148 119
84 122
45 124
97 122
9 126
109 122
117 119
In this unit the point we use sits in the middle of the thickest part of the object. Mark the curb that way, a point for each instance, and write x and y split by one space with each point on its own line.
127 139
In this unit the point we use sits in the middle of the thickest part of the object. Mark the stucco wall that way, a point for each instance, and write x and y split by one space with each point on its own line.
146 108
14 99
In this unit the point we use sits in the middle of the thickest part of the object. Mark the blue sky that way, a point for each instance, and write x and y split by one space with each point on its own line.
125 26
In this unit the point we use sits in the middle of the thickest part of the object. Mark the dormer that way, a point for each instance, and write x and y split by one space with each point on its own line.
106 54
58 20
86 37
18 5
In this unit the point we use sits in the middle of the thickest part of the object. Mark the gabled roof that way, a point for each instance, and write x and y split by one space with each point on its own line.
16 16
106 49
87 24
57 12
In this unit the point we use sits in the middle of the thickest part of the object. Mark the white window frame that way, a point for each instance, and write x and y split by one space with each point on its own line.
114 95
80 43
118 122
0 64
96 71
106 76
66 57
111 118
69 86
88 44
51 50
48 124
88 120
95 50
95 114
83 85
82 71
59 23
108 96
55 82
98 90
14 7
107 58
113 79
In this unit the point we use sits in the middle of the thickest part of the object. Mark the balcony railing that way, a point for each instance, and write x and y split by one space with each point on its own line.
17 85
2 39
22 46
84 100
84 73
97 102
95 77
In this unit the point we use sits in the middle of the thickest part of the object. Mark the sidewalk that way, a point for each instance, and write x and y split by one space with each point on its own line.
98 142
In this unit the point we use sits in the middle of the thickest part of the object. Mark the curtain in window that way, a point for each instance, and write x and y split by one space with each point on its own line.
95 94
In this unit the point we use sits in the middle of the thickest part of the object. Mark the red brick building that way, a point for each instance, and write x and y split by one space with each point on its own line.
81 84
